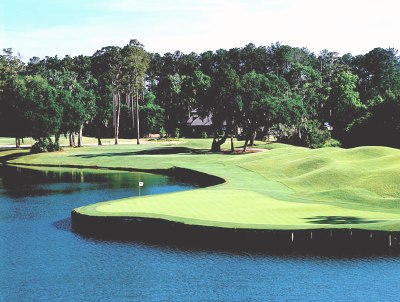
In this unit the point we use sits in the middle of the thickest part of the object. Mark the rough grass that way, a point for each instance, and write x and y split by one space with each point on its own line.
285 187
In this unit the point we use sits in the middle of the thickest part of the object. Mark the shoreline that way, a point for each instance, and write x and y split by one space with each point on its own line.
156 230
244 195
202 179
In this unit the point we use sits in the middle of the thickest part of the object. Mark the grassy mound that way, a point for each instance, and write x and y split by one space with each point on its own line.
367 175
285 187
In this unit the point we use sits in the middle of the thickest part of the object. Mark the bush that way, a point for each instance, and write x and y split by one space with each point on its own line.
312 135
162 132
45 146
332 143
39 147
204 134
51 147
315 135
177 133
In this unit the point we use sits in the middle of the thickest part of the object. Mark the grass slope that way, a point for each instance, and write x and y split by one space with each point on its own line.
285 187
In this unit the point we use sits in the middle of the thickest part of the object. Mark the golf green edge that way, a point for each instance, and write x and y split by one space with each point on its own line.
282 188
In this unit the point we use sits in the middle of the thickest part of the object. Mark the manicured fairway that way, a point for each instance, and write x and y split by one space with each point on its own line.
284 187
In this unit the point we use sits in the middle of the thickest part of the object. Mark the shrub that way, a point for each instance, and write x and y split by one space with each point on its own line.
45 146
51 147
332 143
177 133
315 135
312 134
162 132
39 147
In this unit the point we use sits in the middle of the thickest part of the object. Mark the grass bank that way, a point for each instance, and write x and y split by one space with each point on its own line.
283 188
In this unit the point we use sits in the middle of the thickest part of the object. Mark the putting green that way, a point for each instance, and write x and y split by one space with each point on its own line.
285 187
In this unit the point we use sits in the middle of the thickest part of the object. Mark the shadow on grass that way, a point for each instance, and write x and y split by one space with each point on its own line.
340 220
153 151
6 158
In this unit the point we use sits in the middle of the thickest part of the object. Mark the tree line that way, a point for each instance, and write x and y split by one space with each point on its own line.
288 92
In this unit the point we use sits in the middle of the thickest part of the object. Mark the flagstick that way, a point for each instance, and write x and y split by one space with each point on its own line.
140 185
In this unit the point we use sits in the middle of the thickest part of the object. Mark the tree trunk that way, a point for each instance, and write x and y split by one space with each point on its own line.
215 146
57 139
80 136
71 139
217 143
252 138
116 127
232 146
245 144
17 142
132 96
137 118
98 137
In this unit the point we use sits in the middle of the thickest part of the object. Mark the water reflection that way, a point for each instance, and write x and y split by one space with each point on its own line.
20 182
40 259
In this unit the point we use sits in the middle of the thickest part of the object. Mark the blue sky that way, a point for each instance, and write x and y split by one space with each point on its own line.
59 27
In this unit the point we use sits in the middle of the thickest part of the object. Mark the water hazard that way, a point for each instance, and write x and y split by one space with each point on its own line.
41 259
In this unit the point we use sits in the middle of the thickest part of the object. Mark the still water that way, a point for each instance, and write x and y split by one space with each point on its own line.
42 260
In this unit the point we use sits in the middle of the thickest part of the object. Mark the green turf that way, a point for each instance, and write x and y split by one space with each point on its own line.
284 187
10 141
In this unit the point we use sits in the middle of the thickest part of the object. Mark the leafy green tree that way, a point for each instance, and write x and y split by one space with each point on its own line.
152 117
37 100
222 102
76 85
12 119
379 89
135 64
378 72
10 66
11 123
108 68
328 62
314 135
283 88
168 96
281 57
188 64
344 101
260 97
306 82
153 73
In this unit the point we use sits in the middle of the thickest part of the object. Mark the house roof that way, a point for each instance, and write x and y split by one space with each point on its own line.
196 121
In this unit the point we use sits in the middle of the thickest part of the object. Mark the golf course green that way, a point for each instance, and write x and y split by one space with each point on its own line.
274 187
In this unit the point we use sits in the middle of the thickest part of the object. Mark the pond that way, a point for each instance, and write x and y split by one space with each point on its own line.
41 259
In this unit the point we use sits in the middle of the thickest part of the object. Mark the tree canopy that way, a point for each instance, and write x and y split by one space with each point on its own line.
249 92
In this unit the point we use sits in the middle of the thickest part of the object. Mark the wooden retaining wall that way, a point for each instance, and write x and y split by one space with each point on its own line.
305 241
